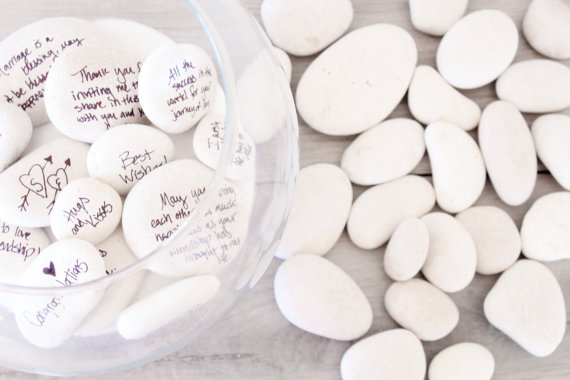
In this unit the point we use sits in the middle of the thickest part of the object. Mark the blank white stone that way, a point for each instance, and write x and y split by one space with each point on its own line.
123 155
477 49
15 133
457 166
29 188
435 17
544 230
508 150
527 305
392 354
536 85
387 151
452 256
319 297
86 209
546 26
285 62
157 310
431 98
305 27
465 361
551 135
377 212
47 321
407 250
178 86
496 237
321 204
358 81
421 308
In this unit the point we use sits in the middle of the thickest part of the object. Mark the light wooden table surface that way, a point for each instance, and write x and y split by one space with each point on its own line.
256 342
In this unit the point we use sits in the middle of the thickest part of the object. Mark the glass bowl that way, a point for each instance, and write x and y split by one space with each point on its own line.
259 104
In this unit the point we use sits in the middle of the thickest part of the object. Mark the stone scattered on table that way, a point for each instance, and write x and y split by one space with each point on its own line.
546 27
465 361
407 250
435 17
551 135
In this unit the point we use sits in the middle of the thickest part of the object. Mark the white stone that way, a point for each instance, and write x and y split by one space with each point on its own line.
117 255
321 204
208 143
19 247
27 55
377 212
305 27
178 86
431 98
29 188
47 321
508 150
387 151
457 166
319 297
407 250
544 230
123 155
465 361
546 26
435 17
536 85
527 305
496 237
421 308
157 310
389 355
551 135
15 133
285 62
477 49
160 203
86 209
91 90
452 256
358 81
138 39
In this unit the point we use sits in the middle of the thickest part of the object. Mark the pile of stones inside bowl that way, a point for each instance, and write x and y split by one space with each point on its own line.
101 162
438 238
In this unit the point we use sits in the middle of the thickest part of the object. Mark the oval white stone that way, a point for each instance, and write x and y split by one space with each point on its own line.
157 310
322 200
407 250
19 247
376 213
527 305
285 62
452 257
305 27
536 85
392 354
86 209
457 166
465 361
91 90
358 81
477 49
435 17
431 98
178 86
544 230
546 26
47 321
319 297
508 150
497 239
387 151
421 308
551 135
29 188
123 155
15 133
